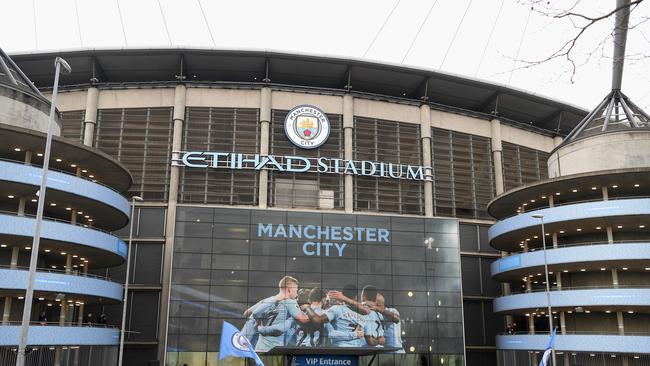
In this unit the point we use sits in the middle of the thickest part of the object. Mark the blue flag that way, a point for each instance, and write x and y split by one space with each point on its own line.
236 345
549 349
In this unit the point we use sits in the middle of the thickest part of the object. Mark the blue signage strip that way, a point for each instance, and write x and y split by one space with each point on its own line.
321 360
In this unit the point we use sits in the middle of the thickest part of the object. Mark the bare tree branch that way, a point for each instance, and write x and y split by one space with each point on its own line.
582 23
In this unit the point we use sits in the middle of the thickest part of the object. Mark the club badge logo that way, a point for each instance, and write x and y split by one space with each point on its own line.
307 126
240 342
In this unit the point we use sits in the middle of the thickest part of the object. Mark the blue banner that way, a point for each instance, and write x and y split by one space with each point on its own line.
319 360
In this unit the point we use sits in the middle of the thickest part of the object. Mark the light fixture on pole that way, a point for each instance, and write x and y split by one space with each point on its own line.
548 289
61 66
126 281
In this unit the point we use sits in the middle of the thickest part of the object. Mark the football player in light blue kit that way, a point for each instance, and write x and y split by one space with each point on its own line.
347 324
249 330
309 335
374 327
392 324
284 309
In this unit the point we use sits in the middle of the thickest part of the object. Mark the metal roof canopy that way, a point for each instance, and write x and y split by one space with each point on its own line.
256 68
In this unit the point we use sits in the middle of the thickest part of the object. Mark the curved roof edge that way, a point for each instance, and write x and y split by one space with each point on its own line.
270 67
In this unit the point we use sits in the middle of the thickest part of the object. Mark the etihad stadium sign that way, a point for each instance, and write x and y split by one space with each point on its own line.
307 127
298 164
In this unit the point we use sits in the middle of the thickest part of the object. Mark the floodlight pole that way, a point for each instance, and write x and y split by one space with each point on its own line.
29 292
548 287
126 281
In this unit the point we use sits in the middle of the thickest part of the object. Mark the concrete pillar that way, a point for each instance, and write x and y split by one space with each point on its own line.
348 125
499 186
506 290
168 255
614 278
562 322
68 263
58 353
610 234
265 125
554 239
605 193
6 313
22 201
80 321
14 257
497 155
621 325
90 115
28 157
425 139
531 323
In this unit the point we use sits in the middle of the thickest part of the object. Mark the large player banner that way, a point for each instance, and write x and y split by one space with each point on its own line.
296 279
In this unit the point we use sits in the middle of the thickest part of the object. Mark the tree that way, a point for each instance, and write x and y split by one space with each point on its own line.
582 20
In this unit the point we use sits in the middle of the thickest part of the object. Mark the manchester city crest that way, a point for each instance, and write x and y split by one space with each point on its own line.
240 342
307 126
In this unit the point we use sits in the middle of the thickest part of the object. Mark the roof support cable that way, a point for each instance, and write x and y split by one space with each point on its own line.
494 25
608 114
628 113
419 30
119 11
35 32
76 11
453 39
521 42
5 69
585 121
162 14
641 111
381 28
205 19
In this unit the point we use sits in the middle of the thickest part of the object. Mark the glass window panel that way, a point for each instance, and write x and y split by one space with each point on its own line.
151 222
468 238
148 264
471 275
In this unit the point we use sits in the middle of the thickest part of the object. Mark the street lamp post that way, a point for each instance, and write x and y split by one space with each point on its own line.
126 281
29 292
548 288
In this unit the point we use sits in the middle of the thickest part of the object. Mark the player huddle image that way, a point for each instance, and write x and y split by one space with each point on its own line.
318 318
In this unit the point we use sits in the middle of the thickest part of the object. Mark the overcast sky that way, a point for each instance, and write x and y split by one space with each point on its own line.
452 35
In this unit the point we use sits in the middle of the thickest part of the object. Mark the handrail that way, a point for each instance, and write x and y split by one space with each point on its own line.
62 172
576 332
58 324
616 242
59 220
536 208
58 271
573 288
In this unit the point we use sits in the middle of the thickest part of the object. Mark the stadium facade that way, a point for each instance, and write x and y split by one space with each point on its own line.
342 174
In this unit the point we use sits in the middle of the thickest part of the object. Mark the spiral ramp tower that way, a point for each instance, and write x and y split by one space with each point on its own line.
84 202
593 215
